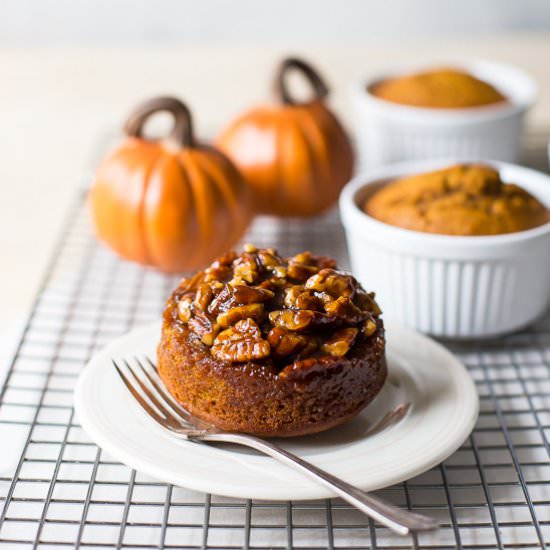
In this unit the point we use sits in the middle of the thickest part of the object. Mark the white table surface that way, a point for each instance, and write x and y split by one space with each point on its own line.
58 103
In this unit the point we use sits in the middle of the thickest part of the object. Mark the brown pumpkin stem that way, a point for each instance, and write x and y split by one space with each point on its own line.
182 132
312 76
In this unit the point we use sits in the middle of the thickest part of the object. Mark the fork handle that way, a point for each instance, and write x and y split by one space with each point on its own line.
398 520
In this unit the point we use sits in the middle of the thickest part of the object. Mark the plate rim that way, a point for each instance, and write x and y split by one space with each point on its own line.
237 490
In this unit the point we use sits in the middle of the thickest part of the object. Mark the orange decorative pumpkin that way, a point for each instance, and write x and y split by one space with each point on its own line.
172 203
295 156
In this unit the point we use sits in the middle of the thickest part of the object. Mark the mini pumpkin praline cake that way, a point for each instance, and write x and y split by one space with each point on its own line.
276 347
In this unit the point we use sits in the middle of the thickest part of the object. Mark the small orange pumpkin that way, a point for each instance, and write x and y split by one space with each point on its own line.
172 203
295 156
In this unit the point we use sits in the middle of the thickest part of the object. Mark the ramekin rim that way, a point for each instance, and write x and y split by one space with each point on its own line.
362 83
363 179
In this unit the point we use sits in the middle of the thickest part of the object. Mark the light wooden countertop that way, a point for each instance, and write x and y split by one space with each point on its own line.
59 104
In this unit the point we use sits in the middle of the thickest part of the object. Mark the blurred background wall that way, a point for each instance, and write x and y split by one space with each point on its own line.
58 22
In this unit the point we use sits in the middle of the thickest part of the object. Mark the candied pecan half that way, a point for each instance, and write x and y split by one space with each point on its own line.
239 295
243 294
206 293
291 319
220 273
203 327
308 258
344 308
291 294
184 309
309 300
187 284
280 272
299 319
273 282
323 262
300 272
298 297
284 342
301 258
335 283
245 268
340 342
235 314
269 259
223 301
240 343
365 300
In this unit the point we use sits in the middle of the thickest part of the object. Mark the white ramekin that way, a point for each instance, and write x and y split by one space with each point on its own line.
389 132
449 286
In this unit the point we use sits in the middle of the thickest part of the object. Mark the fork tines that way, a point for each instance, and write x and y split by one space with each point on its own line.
143 382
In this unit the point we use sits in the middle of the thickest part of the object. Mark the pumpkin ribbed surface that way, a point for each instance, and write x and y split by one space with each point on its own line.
295 156
175 208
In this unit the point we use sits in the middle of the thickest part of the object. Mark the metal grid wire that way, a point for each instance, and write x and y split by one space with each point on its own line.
57 489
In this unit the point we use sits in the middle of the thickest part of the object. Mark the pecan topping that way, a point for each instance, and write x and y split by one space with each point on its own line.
246 268
184 309
268 258
243 294
239 295
241 343
302 258
300 272
291 294
292 320
301 319
220 269
222 301
256 306
235 314
344 308
203 297
300 298
221 273
365 300
284 342
335 283
280 272
203 327
340 342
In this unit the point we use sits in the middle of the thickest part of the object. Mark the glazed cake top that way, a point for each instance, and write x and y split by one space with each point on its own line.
258 306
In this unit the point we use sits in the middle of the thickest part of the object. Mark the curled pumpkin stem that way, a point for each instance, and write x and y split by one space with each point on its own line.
318 85
181 134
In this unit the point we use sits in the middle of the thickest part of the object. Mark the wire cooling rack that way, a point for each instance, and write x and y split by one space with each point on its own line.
57 489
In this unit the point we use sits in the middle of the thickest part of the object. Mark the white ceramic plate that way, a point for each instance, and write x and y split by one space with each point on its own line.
444 408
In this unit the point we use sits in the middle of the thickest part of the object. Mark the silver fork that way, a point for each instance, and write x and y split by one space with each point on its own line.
143 382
